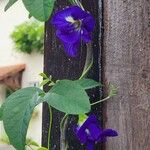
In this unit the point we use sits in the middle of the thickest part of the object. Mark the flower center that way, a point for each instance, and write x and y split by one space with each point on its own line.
70 19
77 23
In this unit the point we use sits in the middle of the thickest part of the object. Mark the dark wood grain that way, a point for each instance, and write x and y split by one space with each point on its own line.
126 63
60 66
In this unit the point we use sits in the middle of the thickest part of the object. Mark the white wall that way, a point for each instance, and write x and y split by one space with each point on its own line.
13 17
34 62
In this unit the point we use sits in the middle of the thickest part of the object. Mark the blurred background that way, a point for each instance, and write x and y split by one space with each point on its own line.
21 61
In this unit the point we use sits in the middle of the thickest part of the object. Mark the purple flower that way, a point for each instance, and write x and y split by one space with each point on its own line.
90 132
73 25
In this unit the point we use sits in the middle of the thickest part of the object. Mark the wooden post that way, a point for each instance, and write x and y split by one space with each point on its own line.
57 64
126 63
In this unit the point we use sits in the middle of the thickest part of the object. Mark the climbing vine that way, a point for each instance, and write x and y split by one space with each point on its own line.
73 25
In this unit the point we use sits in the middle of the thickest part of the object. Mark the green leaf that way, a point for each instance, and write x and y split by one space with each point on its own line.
2 109
42 148
88 83
17 114
9 4
40 9
69 97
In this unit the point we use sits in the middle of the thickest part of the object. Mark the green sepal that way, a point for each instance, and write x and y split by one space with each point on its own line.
82 119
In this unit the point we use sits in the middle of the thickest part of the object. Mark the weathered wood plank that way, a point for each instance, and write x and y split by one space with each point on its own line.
57 64
126 60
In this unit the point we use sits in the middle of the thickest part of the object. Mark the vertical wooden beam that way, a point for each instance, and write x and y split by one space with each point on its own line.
57 64
126 63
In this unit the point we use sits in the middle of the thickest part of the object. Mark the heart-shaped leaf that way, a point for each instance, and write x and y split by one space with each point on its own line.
69 97
17 114
40 9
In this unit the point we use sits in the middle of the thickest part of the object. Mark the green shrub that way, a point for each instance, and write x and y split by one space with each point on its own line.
29 37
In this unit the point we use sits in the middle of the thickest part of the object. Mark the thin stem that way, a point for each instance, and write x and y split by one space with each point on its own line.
88 62
102 100
63 120
63 126
50 127
79 4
